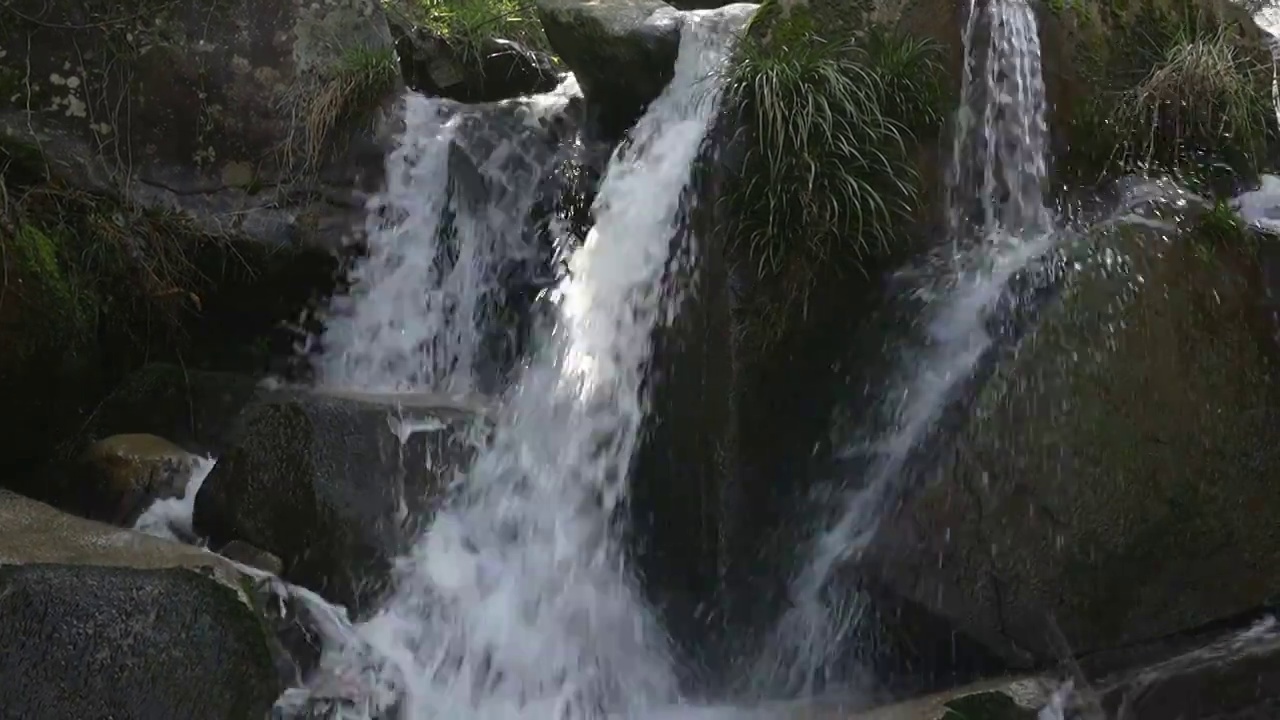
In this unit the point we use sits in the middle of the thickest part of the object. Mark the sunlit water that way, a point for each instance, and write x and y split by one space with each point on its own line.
424 300
517 601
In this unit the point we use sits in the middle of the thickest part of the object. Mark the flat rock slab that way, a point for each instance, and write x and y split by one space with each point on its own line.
82 641
100 622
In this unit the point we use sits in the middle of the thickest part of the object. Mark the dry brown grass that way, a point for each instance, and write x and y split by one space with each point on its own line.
353 87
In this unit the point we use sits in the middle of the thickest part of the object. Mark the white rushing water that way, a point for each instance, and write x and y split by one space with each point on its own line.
517 601
171 518
999 166
420 304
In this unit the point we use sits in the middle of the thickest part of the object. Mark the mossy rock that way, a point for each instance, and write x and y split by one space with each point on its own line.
1113 476
993 705
1202 68
48 320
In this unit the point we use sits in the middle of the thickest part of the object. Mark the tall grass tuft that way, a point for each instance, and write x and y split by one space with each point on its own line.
828 174
1205 92
356 83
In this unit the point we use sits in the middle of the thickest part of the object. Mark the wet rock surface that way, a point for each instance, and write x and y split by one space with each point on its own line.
121 475
1234 678
1110 483
103 622
84 641
334 486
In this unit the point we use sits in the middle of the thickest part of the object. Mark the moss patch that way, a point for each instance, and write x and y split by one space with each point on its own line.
96 265
42 257
987 706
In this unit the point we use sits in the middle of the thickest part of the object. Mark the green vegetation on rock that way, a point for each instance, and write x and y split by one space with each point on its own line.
1222 227
829 130
470 22
347 92
41 255
84 260
1181 86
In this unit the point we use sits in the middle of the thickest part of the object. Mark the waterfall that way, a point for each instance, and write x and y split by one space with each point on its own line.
1000 226
517 601
422 303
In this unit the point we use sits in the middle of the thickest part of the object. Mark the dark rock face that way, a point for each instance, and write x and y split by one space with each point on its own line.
505 69
185 106
681 498
194 409
326 485
83 641
1110 480
1235 678
622 52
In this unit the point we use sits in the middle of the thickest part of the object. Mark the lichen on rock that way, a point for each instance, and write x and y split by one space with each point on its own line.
150 100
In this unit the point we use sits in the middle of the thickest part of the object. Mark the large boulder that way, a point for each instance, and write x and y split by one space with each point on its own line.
623 52
249 120
1110 483
101 622
335 486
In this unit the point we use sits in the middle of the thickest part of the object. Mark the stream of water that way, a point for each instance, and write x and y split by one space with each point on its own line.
1000 227
423 302
517 601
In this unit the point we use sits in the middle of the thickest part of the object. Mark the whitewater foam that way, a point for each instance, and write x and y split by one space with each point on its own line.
421 303
517 601
171 518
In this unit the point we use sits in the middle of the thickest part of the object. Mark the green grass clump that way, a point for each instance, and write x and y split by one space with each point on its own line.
468 23
1170 86
829 171
1203 93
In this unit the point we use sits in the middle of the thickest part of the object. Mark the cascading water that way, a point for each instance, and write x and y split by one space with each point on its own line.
420 304
1000 226
517 601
